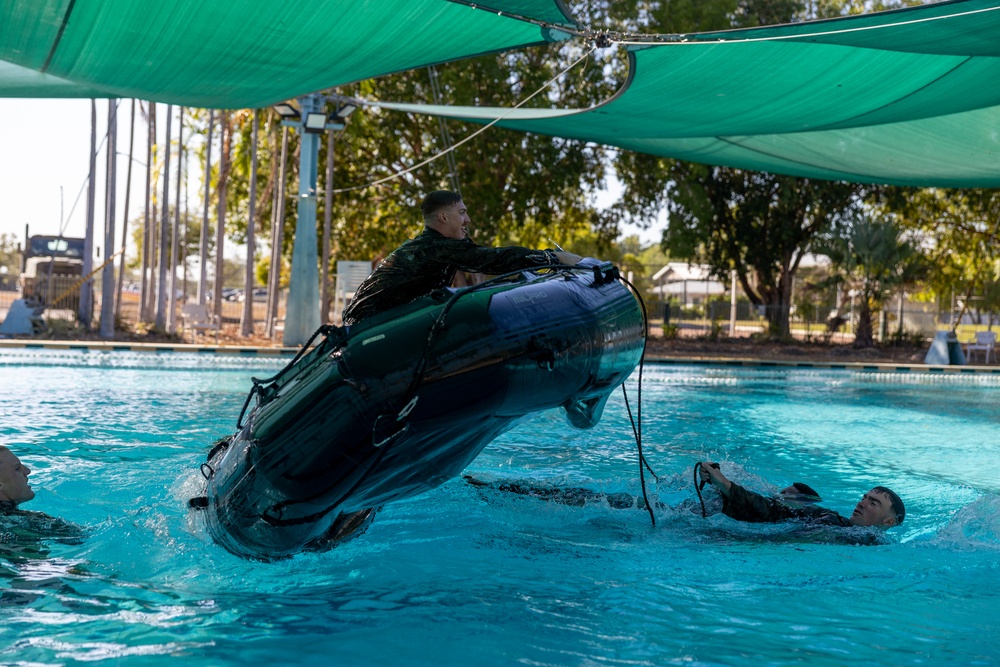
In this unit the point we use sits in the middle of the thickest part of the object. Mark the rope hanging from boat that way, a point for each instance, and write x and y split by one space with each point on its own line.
637 420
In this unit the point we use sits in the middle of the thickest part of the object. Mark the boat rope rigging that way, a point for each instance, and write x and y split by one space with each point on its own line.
636 422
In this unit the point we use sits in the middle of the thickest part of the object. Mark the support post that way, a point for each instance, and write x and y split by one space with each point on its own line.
732 306
324 275
108 272
175 231
203 237
246 321
302 313
86 310
128 193
277 240
162 285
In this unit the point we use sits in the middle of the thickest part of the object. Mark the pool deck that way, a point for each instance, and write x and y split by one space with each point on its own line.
278 351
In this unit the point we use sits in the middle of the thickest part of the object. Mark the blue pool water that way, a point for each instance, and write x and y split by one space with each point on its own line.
465 576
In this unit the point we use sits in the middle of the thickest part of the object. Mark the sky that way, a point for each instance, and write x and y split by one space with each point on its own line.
44 160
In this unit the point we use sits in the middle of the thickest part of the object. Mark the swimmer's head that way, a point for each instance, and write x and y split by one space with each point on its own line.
14 488
879 507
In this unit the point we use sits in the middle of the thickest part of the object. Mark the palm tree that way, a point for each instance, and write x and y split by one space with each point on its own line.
873 258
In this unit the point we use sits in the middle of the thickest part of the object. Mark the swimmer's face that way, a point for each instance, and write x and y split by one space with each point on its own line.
14 478
453 221
875 509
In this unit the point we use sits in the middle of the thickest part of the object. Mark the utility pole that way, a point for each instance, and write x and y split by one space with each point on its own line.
175 230
324 276
161 295
128 192
108 272
246 323
203 238
86 308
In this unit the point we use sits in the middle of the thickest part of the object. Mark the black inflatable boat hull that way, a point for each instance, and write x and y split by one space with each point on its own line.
404 401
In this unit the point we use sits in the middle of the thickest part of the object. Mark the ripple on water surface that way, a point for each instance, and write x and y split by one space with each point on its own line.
464 575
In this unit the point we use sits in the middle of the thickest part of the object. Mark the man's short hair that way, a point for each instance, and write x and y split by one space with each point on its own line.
897 503
437 200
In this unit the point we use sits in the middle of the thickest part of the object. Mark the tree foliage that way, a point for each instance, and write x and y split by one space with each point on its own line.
873 257
758 224
10 255
960 233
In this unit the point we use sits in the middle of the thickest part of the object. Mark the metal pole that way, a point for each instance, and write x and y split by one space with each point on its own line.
86 308
148 234
278 238
108 272
175 229
203 238
161 292
327 220
732 306
128 192
185 230
220 226
302 315
246 323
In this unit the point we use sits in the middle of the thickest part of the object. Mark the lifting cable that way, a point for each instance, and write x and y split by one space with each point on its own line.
475 134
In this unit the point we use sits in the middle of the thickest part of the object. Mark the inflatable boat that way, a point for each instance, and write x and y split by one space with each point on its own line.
403 401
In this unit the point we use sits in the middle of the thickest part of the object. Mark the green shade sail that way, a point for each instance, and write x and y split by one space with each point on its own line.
224 54
910 97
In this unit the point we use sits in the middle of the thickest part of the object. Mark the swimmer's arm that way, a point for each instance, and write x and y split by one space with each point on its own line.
715 477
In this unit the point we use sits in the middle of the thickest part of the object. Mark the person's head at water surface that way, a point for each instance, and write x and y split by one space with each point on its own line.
14 488
879 507
445 212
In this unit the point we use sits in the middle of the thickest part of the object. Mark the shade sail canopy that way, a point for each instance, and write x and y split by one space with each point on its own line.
910 97
224 54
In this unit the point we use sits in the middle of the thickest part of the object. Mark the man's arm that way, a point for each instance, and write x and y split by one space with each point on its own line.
744 505
468 256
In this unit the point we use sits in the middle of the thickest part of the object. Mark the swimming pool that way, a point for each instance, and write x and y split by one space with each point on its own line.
465 576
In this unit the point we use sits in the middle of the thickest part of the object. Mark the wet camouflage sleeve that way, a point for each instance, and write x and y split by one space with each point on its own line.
744 505
429 262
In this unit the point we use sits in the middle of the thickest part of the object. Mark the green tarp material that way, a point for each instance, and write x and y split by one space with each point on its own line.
225 54
910 97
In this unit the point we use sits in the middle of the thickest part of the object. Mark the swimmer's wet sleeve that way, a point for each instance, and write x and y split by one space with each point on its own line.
744 505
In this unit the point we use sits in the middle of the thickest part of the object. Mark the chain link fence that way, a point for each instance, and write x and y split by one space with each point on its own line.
819 320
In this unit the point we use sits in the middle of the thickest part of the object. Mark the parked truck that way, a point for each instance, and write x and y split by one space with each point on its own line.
50 268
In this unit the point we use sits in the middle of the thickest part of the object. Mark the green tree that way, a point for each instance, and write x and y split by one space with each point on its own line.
873 257
10 260
960 230
516 185
758 224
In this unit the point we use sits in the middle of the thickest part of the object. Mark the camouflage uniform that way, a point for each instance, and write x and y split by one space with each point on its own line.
429 262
